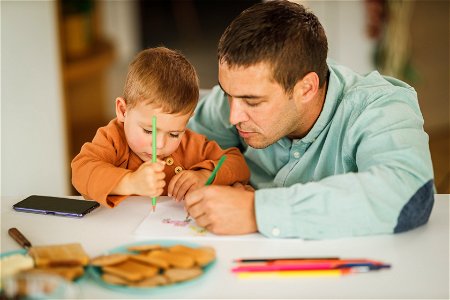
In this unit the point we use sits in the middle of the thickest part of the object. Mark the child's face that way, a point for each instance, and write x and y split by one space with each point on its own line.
138 130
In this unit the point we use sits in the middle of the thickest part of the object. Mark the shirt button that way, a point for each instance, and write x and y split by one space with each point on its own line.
276 231
169 161
178 169
297 154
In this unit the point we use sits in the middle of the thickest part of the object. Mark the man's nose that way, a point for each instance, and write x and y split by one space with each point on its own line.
237 112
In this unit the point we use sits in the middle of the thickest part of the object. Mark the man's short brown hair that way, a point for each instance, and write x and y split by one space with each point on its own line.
281 33
164 78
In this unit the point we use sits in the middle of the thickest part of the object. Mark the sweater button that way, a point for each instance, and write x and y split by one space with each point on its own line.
178 169
169 161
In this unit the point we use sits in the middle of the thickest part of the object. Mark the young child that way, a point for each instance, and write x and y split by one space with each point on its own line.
118 162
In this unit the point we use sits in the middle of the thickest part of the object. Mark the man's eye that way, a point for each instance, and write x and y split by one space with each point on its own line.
147 131
253 104
175 135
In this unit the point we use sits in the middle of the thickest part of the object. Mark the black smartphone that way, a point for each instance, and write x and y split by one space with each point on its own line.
56 206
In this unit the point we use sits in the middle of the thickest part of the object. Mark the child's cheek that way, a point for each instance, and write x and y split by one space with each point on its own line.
172 147
139 142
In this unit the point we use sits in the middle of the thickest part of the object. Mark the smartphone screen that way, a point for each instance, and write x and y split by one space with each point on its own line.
56 206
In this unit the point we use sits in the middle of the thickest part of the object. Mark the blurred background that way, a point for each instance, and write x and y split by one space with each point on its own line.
64 62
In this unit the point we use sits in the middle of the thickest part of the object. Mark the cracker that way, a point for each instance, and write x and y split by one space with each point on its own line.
177 260
131 270
113 279
202 255
144 248
152 281
59 255
153 261
108 260
178 274
68 273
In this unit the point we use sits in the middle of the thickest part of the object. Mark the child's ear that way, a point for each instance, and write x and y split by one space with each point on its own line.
121 109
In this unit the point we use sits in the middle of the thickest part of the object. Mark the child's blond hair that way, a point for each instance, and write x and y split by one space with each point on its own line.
164 78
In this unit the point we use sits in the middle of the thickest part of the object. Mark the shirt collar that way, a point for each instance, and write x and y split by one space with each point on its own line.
332 100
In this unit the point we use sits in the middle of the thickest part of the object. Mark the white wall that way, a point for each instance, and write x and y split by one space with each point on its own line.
33 143
344 24
120 24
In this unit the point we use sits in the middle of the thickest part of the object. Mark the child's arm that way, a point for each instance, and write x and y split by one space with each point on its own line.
103 170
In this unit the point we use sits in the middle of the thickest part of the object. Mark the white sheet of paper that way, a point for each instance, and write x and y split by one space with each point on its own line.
168 221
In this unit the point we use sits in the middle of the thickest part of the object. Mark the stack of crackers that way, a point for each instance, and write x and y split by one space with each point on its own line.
153 265
65 260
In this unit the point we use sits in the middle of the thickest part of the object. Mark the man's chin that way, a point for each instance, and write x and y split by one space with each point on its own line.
257 144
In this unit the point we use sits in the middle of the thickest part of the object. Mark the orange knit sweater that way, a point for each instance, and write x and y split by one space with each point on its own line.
101 164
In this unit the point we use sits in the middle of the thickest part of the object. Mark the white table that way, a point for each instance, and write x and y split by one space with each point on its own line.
419 258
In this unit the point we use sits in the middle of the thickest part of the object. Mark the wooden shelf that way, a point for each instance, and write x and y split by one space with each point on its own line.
100 57
86 56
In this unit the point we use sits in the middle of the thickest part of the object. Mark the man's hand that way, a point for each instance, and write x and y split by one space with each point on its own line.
223 209
246 187
147 180
187 181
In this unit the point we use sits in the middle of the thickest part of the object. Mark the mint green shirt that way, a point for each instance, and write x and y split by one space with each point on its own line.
363 169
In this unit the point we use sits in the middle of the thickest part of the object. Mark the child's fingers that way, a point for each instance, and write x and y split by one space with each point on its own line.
181 179
159 165
157 193
172 184
184 188
157 175
157 188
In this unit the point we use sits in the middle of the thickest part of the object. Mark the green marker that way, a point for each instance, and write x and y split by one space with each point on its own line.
214 172
154 153
211 177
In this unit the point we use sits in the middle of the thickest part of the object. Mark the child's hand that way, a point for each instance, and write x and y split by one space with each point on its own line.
187 181
148 179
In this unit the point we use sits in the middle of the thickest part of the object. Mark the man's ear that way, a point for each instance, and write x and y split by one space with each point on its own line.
306 88
121 109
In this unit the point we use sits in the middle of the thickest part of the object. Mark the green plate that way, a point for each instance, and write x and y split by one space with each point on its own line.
96 272
9 253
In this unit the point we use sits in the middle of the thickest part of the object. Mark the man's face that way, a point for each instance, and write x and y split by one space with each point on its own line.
259 107
138 131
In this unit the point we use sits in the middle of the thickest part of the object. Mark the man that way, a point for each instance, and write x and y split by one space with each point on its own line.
332 153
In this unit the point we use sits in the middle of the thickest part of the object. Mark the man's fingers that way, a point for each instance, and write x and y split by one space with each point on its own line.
244 187
194 197
202 221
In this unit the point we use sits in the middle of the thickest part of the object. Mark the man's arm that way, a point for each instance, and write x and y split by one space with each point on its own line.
392 190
